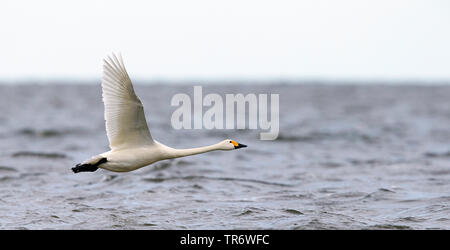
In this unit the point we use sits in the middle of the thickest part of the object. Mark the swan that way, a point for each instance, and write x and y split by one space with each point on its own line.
132 146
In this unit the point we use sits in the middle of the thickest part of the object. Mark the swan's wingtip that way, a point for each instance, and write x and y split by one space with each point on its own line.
116 54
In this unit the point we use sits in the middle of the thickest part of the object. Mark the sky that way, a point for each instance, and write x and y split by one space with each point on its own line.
211 40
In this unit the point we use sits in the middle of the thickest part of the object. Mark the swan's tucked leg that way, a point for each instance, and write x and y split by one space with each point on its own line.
88 167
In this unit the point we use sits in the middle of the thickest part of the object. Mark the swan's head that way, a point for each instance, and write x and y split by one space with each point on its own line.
229 144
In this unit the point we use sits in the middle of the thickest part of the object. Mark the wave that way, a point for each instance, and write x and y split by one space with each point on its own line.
322 136
9 169
39 154
50 132
192 177
437 155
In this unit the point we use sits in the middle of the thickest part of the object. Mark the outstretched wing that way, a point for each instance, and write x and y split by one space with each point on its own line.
124 114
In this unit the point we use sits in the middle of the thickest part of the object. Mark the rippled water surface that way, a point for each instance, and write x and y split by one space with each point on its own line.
366 157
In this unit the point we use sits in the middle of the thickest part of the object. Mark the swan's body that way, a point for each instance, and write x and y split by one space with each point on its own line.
131 143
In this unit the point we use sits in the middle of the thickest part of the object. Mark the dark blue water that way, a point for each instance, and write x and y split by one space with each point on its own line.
366 157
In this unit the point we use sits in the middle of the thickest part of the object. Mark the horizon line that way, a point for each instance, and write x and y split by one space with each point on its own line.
237 80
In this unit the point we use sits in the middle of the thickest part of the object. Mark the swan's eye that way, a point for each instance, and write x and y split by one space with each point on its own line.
230 142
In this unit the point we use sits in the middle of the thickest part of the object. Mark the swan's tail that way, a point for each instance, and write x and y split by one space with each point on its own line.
88 166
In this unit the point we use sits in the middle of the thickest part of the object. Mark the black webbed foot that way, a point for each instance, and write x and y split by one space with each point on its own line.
88 167
84 168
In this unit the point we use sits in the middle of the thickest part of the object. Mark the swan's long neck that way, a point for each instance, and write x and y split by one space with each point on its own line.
175 153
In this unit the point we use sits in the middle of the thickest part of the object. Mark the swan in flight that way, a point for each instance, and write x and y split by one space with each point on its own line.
131 143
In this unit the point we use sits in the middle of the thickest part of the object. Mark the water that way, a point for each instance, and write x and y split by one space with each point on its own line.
348 157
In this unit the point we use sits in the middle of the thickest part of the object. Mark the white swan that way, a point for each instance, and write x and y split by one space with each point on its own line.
131 144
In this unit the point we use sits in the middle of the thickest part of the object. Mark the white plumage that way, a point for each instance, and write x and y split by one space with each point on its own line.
131 143
124 114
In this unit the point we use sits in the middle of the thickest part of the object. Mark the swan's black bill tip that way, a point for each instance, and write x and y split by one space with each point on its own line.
240 146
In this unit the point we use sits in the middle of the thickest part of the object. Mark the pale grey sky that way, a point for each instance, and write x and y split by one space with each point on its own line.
211 40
